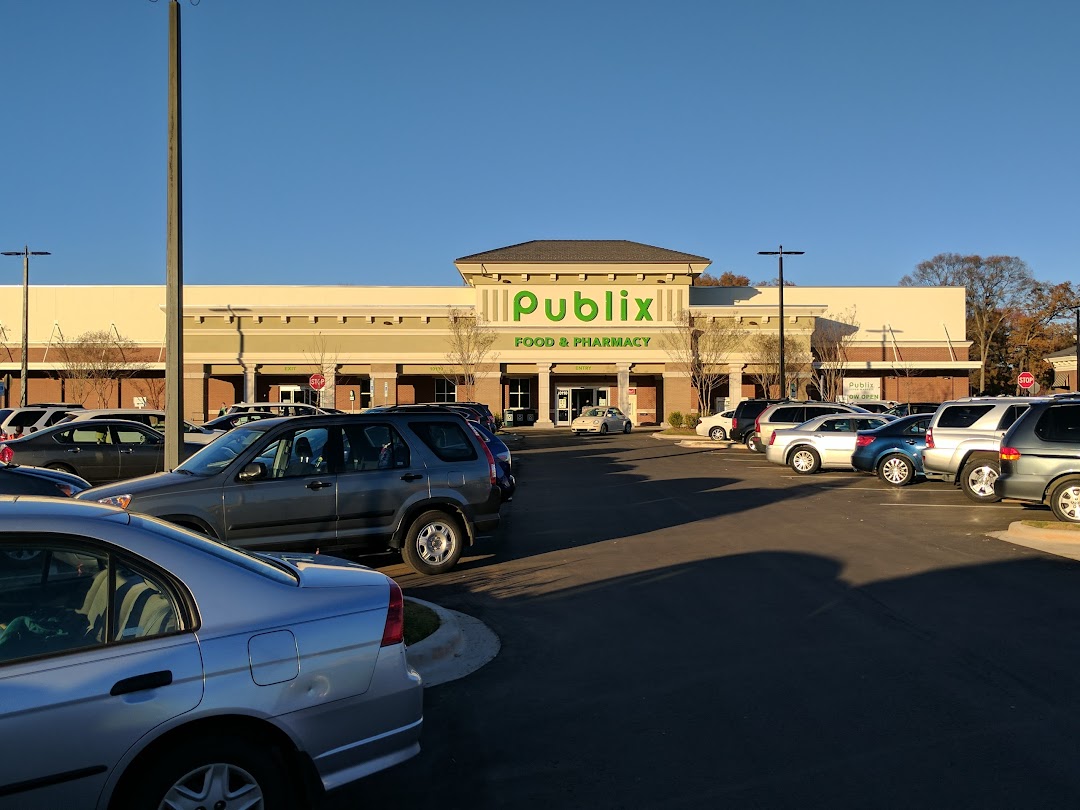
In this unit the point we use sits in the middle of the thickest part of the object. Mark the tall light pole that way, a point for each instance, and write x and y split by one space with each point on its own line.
174 258
26 253
781 253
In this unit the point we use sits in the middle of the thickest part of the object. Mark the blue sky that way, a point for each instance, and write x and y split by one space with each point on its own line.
336 142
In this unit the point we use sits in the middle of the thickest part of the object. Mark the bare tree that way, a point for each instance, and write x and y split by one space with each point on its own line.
763 350
832 338
95 362
470 339
153 389
324 356
700 347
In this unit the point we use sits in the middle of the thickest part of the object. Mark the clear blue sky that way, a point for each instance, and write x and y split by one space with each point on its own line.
375 142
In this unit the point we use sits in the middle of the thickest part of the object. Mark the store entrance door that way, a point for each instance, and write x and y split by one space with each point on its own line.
572 401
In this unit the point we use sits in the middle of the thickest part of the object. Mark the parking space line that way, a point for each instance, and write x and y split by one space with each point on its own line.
957 505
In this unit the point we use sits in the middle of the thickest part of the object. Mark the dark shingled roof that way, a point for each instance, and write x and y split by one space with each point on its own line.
588 251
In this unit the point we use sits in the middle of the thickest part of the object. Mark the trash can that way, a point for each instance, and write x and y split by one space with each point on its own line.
513 416
530 416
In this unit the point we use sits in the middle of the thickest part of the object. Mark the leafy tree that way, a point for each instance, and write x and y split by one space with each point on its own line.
726 279
994 285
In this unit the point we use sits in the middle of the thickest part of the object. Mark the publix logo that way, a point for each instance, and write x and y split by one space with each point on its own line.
584 309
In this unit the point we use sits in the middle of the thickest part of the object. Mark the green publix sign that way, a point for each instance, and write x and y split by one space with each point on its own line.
584 310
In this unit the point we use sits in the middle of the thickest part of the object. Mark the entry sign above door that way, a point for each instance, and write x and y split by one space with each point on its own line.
317 381
1026 379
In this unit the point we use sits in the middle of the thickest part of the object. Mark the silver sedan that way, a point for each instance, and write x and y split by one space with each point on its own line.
147 666
822 442
601 420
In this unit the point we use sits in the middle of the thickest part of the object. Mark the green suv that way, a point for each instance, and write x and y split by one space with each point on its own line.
1040 458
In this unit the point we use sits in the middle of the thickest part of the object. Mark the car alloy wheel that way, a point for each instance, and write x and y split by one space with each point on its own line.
627 427
717 434
434 544
1065 501
603 428
978 478
896 470
805 461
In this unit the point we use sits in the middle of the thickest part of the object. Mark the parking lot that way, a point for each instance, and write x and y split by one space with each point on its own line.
696 627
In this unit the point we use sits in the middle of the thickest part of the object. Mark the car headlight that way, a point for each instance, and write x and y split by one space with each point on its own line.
116 500
596 421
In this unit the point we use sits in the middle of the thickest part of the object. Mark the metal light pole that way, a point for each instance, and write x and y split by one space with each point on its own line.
174 258
26 253
781 253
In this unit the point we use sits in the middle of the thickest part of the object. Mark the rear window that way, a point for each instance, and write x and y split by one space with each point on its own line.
1011 415
962 416
1060 424
447 440
24 418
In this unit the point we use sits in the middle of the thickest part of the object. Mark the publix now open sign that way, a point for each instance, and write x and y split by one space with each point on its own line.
861 388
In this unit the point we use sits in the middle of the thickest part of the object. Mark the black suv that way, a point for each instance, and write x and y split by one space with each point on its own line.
1040 458
742 421
418 482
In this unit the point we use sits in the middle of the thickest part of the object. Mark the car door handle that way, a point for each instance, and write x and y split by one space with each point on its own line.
319 484
411 477
74 450
910 441
139 683
128 450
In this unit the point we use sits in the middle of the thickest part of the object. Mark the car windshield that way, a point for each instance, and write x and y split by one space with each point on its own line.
219 454
594 412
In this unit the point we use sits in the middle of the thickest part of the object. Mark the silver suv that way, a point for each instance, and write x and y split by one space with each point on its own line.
1040 458
420 483
963 440
790 413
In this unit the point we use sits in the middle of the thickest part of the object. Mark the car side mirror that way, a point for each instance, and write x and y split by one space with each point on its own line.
252 472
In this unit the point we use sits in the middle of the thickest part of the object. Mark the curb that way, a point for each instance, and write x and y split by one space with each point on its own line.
441 644
1020 529
460 646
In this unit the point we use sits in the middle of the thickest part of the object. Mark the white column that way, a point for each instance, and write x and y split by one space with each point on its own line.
249 383
543 409
623 376
734 384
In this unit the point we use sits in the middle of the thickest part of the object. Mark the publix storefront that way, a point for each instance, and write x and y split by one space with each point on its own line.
571 324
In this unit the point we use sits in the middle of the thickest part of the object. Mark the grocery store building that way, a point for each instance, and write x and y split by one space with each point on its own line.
574 323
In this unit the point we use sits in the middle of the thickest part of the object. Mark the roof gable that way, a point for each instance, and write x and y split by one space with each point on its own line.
583 251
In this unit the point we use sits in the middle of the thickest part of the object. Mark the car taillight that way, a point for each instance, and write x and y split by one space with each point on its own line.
493 474
6 454
772 438
862 441
929 439
394 629
1009 454
757 424
734 423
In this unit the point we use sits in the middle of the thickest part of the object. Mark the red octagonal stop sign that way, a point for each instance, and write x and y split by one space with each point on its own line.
317 381
1026 379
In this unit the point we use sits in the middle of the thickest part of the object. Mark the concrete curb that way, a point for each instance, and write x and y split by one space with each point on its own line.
460 646
1020 529
1060 542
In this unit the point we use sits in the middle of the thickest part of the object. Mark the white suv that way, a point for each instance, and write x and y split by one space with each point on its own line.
963 440
794 412
16 422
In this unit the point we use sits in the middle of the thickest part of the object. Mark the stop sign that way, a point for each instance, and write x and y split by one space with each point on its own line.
317 381
1026 379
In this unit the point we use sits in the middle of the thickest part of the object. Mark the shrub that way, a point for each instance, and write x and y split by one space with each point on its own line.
691 421
675 419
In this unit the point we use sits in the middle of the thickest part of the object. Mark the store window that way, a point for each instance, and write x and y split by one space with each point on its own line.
445 390
518 394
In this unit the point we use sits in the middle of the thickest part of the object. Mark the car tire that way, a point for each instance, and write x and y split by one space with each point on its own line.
717 434
213 772
1065 500
627 427
896 470
978 477
603 428
434 543
804 460
751 441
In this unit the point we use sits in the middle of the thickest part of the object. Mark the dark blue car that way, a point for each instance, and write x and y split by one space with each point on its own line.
894 450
